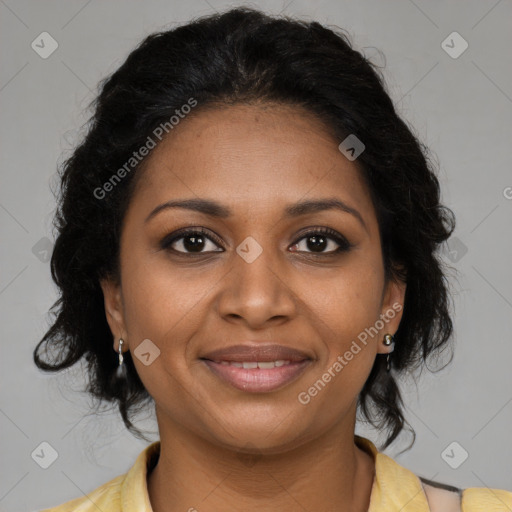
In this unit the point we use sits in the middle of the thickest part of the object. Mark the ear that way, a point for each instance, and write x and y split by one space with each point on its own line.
392 310
114 310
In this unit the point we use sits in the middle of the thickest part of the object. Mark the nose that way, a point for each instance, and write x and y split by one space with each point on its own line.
256 293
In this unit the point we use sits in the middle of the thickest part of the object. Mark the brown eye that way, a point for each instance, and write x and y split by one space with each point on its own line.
322 241
191 241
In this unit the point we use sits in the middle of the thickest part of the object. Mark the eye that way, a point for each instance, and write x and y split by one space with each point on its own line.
320 239
199 241
190 241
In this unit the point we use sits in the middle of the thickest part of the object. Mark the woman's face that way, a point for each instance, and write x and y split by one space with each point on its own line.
261 272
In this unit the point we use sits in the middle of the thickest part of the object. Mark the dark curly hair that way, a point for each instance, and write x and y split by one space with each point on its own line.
246 56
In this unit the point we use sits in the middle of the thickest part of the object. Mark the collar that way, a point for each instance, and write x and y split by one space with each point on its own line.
394 489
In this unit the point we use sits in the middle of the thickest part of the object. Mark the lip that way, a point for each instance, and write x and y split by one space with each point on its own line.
257 352
258 380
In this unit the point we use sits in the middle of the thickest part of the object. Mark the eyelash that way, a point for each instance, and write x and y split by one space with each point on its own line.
344 245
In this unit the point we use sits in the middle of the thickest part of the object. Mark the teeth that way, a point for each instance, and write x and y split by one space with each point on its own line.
267 365
263 365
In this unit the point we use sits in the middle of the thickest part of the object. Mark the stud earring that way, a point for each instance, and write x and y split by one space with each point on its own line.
389 341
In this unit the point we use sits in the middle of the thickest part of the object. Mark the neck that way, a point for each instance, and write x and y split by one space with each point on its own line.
329 473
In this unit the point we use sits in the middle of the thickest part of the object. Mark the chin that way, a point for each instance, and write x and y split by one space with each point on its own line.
270 435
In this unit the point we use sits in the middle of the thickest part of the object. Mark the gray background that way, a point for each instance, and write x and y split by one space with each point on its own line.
460 107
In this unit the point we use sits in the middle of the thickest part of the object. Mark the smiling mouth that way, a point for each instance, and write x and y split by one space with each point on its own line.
257 376
248 365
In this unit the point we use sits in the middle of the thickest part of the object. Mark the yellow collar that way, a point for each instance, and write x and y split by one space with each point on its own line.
394 489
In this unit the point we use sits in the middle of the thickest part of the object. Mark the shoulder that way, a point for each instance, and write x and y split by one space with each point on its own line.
483 499
127 490
396 488
106 498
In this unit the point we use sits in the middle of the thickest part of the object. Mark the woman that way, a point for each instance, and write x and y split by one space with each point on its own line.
248 237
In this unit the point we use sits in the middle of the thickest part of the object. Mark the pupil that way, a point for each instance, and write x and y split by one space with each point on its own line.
194 243
319 242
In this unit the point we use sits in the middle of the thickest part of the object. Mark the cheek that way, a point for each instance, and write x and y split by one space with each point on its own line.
343 316
349 304
167 307
160 301
160 305
344 313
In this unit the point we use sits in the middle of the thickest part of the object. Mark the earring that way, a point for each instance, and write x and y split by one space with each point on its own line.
121 371
389 341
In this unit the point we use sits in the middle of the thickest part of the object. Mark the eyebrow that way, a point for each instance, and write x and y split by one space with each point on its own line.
214 209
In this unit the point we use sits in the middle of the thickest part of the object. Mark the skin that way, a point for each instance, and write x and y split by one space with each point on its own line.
255 160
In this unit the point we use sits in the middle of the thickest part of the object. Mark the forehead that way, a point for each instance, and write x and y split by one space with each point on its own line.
254 156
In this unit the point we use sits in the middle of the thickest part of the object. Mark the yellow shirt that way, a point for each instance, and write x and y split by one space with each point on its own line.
395 489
